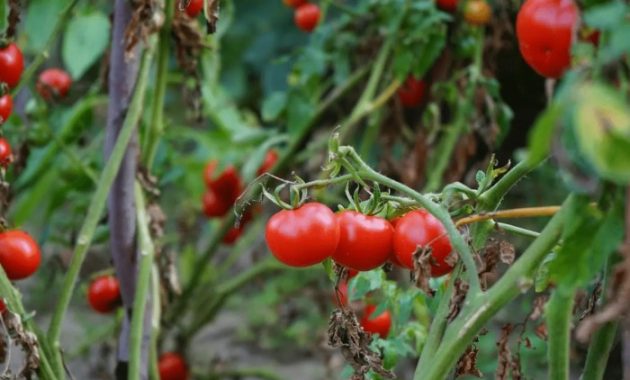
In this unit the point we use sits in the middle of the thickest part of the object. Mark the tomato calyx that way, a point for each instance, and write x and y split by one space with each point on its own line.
297 195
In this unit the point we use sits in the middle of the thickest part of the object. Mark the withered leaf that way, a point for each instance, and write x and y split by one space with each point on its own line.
467 363
506 252
212 15
504 362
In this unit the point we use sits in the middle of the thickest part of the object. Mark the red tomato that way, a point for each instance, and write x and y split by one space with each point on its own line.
307 17
376 325
172 366
411 93
417 229
477 12
302 237
19 254
270 160
447 5
545 31
53 84
365 242
11 65
6 155
194 8
6 107
352 273
3 306
227 185
294 3
104 294
235 232
213 205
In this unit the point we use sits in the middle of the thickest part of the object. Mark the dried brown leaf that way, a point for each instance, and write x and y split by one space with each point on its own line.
506 252
467 363
422 270
212 15
504 362
457 300
14 18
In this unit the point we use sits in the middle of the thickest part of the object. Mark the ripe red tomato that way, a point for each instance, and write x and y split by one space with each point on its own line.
302 237
104 294
307 17
270 160
365 242
19 254
213 205
6 155
411 93
545 31
6 107
53 84
172 366
376 325
418 229
235 232
294 3
477 12
447 5
194 8
227 185
11 65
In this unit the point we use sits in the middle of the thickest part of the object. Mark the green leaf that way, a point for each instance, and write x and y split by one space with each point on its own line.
300 110
85 39
607 16
273 105
39 23
364 283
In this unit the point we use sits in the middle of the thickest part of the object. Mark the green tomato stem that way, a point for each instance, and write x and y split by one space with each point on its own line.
558 314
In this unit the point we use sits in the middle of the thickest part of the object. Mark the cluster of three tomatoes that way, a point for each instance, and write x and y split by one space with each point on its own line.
313 233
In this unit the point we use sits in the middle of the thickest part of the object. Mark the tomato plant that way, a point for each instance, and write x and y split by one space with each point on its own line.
104 294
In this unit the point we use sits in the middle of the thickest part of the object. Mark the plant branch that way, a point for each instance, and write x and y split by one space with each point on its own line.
526 212
558 313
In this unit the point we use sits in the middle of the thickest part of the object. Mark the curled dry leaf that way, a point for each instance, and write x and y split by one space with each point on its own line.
504 362
27 341
422 269
344 332
541 331
591 301
467 363
14 18
538 308
506 252
457 300
212 15
147 18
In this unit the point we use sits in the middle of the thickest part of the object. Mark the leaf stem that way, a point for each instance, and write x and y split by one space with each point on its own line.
525 212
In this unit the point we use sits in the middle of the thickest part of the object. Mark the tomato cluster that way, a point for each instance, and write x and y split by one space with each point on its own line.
312 233
104 294
306 15
545 30
172 366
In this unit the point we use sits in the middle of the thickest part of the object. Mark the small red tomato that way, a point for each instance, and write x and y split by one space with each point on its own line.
19 254
411 93
235 232
6 155
447 5
227 185
11 65
53 84
194 8
477 12
545 31
3 306
294 3
418 229
376 325
302 237
104 294
172 366
213 205
365 242
6 107
307 17
270 160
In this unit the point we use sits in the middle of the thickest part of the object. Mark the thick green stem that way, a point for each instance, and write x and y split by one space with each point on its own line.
599 351
442 157
490 199
475 315
156 127
457 241
558 313
44 53
97 204
517 230
142 285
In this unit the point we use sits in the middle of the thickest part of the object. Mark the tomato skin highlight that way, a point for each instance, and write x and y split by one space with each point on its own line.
270 160
6 155
379 324
172 366
365 242
419 228
194 8
545 30
11 65
303 237
307 17
104 294
411 93
53 84
477 12
6 107
19 254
